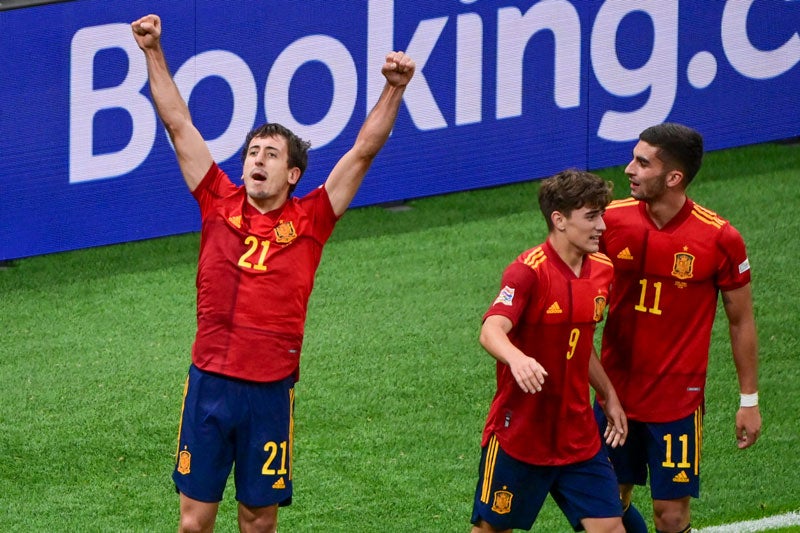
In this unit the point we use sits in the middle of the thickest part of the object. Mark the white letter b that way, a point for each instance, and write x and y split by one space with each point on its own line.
85 102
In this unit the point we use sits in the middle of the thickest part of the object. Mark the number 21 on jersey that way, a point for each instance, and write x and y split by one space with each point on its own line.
256 255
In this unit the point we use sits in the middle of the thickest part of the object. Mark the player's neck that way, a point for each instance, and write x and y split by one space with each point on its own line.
664 209
267 204
571 255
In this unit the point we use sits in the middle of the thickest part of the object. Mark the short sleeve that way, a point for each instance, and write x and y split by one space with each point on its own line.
317 205
518 287
215 184
734 272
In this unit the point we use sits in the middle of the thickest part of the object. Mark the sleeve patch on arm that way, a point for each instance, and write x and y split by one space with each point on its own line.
506 296
744 266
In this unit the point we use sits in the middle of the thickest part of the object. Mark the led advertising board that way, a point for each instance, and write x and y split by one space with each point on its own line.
505 91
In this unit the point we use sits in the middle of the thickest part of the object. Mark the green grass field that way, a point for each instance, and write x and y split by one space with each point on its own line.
394 387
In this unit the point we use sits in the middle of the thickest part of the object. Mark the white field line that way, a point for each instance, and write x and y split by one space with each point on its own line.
753 526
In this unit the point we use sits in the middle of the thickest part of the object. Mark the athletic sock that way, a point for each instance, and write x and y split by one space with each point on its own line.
633 521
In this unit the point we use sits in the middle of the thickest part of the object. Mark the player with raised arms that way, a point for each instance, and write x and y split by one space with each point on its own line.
259 251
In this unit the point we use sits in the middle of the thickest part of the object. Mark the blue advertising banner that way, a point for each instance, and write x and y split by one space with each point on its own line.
505 91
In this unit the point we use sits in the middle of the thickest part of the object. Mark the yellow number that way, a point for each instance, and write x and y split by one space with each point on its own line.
253 244
668 463
685 454
668 459
656 301
272 450
574 335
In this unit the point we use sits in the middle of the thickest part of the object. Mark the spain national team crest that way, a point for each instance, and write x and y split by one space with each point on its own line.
284 233
599 307
682 268
502 501
184 462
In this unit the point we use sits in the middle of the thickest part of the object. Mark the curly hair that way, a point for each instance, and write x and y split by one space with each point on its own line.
572 189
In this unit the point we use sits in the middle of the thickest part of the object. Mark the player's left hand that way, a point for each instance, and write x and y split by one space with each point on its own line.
748 426
147 31
617 423
398 69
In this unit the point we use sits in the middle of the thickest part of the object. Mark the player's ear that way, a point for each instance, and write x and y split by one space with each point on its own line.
559 220
294 175
675 177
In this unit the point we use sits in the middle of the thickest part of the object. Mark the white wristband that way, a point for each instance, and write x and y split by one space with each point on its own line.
748 400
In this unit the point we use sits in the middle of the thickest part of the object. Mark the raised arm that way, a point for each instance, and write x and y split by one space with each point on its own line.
348 173
194 157
738 305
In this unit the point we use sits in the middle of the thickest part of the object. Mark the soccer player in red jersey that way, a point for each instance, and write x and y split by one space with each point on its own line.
259 250
540 436
672 257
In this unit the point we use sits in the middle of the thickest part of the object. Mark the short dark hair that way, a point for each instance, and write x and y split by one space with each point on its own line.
679 146
572 189
297 148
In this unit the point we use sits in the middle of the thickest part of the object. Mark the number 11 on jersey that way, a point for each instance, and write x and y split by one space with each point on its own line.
656 300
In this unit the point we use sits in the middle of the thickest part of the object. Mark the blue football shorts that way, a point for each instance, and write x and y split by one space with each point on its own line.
227 422
669 450
510 493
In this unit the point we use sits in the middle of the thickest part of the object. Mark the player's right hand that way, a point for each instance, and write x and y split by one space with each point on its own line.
147 31
528 373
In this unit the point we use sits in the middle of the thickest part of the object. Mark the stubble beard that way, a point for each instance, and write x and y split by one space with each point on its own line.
656 191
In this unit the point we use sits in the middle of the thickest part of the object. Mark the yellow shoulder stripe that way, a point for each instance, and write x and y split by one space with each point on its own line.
707 217
625 202
535 258
601 258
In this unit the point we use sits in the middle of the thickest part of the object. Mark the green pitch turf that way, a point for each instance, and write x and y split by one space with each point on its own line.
394 386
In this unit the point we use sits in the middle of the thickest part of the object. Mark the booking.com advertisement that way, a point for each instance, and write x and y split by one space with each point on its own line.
505 91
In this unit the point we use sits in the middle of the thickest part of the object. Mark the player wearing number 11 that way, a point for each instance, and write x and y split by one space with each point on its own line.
259 251
672 258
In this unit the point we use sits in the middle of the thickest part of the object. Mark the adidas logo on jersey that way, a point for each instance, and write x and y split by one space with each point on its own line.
280 484
625 254
681 477
554 309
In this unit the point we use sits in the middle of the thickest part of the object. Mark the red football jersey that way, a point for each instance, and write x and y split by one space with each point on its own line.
663 302
554 314
254 278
